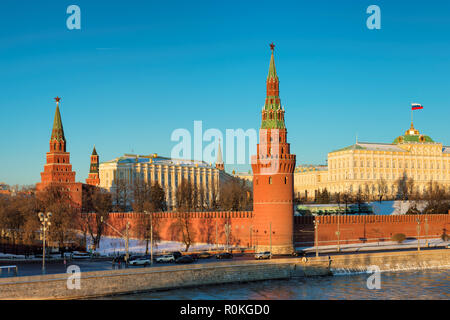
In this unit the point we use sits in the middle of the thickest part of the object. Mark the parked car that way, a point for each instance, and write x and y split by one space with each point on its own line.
140 261
80 255
166 258
204 255
185 259
224 255
263 255
176 254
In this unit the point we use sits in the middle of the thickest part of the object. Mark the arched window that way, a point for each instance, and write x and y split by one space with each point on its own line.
285 180
270 180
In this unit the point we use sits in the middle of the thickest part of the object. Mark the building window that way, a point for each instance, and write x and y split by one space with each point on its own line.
270 180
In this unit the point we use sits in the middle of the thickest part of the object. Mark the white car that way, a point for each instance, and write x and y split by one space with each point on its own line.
263 255
166 258
140 261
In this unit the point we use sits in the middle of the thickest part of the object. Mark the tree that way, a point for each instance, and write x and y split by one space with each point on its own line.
186 202
346 199
359 199
121 195
383 189
402 187
55 199
148 223
437 200
236 195
97 204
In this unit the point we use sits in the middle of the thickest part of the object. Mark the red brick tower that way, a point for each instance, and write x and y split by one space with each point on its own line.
273 179
58 170
94 178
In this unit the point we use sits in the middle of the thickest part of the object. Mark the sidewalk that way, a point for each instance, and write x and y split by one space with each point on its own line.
374 246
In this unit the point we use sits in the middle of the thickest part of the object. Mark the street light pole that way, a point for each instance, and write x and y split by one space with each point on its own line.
338 233
127 243
316 229
426 232
45 221
151 239
418 234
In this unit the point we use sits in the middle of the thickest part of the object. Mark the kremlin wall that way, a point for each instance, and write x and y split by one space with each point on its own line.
272 224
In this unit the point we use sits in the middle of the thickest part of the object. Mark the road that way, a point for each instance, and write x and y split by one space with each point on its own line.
30 269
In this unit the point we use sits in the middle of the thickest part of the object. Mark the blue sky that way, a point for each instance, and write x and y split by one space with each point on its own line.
137 70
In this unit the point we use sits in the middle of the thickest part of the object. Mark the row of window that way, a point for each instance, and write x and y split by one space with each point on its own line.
425 164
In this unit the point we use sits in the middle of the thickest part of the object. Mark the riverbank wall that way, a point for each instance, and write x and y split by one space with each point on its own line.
104 283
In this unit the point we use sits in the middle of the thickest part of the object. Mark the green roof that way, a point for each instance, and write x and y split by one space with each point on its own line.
412 138
58 130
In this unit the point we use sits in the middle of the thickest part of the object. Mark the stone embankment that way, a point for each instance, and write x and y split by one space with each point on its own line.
102 283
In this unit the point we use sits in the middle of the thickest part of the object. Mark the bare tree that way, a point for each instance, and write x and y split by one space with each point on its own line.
236 195
383 189
97 204
121 195
402 188
186 200
56 199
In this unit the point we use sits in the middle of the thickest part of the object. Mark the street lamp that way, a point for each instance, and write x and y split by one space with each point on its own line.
418 234
316 229
45 221
426 232
151 237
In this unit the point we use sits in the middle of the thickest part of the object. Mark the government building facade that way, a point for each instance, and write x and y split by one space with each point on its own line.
167 172
366 166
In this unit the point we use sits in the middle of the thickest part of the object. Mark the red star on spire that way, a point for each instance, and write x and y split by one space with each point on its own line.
272 46
57 99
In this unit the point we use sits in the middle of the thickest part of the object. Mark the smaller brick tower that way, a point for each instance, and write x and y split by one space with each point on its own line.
58 170
94 178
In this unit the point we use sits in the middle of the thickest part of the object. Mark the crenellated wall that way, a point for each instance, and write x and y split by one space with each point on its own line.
353 229
371 228
203 226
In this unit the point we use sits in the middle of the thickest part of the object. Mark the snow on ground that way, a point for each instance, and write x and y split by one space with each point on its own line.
395 207
113 246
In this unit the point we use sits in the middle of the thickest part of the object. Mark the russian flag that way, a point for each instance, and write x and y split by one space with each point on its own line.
416 106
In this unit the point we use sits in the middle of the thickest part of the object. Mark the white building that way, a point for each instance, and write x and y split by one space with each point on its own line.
166 171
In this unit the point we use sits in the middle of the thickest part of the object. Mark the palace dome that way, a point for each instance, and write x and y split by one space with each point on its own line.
412 135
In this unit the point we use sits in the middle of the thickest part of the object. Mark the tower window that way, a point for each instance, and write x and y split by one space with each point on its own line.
285 180
270 180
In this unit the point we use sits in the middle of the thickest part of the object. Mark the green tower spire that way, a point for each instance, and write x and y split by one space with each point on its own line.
273 114
58 130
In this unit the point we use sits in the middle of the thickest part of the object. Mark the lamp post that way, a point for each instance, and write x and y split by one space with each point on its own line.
426 232
45 221
127 256
151 237
338 233
316 229
418 234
